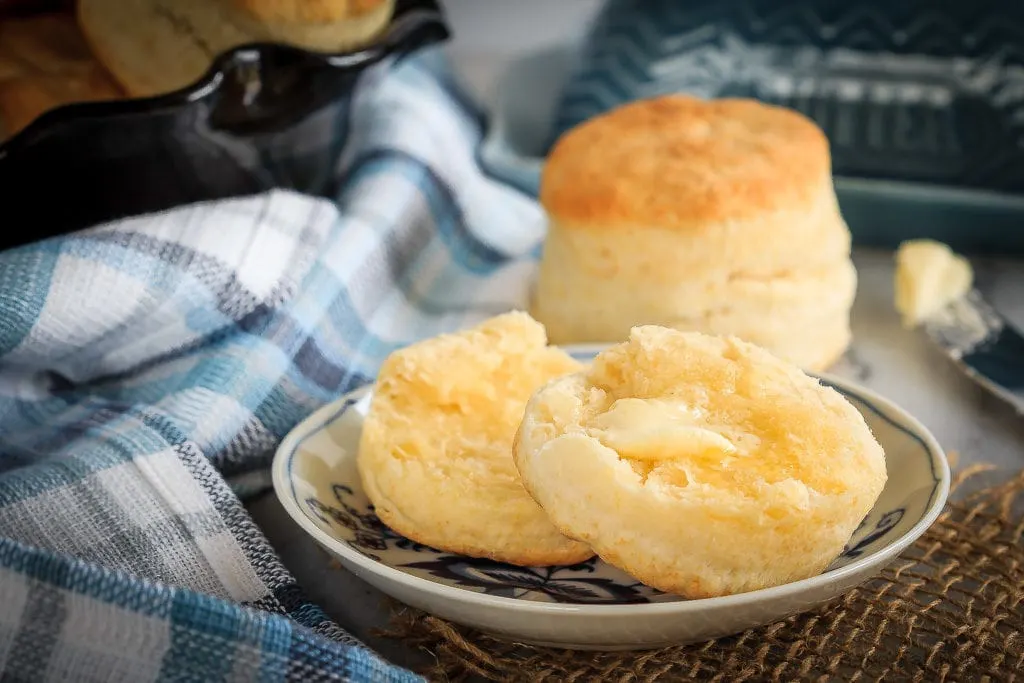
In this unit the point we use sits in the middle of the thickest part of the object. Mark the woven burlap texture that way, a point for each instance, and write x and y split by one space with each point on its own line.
949 609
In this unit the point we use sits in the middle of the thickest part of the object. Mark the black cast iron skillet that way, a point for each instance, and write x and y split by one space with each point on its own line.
263 116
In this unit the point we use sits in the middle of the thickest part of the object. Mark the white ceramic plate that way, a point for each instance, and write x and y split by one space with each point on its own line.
589 605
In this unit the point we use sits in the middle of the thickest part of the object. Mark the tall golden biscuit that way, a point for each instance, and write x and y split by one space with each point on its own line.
435 455
683 212
702 466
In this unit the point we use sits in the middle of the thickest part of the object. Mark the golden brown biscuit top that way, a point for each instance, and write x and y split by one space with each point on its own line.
677 161
309 11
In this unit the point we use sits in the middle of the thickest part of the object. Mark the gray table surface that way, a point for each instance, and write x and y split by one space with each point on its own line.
901 365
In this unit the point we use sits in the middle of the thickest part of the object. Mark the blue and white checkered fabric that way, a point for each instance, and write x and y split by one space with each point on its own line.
148 365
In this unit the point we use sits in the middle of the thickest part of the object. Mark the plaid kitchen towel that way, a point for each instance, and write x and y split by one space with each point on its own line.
147 364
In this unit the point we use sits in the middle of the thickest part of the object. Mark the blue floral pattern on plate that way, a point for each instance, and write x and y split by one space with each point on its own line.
590 582
581 582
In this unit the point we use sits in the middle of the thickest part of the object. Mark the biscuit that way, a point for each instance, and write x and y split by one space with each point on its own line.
153 47
435 455
24 99
42 44
324 25
45 63
702 466
158 46
688 213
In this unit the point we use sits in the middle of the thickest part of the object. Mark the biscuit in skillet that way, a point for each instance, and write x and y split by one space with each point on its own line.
324 25
46 63
154 47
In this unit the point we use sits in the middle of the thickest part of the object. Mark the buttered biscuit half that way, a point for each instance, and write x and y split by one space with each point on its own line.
701 465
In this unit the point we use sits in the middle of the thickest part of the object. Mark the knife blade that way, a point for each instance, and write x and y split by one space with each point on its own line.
986 346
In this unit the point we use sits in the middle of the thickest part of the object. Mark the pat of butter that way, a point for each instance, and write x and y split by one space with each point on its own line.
655 430
928 277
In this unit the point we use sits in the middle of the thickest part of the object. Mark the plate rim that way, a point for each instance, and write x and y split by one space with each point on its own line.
322 416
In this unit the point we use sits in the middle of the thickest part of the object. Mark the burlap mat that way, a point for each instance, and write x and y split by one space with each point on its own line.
948 610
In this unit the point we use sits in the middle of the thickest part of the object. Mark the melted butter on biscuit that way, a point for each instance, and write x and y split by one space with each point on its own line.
656 430
672 443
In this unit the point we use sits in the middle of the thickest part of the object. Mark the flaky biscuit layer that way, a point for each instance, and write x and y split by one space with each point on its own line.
435 455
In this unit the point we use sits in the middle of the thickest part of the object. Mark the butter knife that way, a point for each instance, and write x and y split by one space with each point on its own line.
983 343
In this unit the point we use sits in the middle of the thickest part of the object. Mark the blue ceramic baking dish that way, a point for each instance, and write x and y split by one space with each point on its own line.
263 116
923 102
